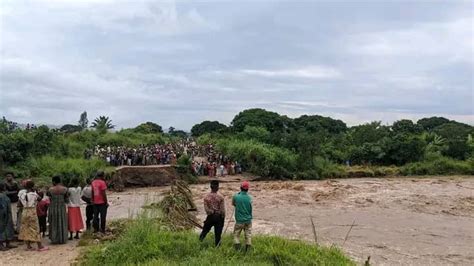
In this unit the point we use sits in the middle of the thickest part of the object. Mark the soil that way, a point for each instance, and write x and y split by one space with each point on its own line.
395 221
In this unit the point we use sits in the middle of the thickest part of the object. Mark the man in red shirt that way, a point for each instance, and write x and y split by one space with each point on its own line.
99 200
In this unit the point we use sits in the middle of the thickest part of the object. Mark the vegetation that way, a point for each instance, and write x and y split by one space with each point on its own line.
265 143
152 240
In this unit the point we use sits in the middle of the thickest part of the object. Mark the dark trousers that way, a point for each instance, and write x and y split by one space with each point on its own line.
89 215
100 209
217 221
42 224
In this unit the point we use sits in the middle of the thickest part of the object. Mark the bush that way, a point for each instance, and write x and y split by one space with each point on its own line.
43 168
439 166
147 242
258 158
328 169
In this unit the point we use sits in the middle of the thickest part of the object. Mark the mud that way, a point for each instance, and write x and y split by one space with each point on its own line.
396 221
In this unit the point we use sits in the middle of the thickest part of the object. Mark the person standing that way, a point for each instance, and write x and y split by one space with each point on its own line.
75 223
215 209
12 189
42 212
242 202
30 232
99 199
6 220
86 196
57 216
19 205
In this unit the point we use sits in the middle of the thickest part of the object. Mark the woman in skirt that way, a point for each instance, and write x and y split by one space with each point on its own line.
29 231
75 223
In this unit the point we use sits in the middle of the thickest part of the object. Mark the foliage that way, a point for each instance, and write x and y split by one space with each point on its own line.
83 121
406 126
259 158
316 123
265 143
148 128
439 166
68 128
102 124
210 127
431 123
146 241
43 168
260 118
258 133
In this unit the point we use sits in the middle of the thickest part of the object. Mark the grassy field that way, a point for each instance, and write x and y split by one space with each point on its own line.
147 241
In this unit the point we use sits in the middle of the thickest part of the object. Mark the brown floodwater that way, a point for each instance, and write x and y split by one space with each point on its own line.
395 221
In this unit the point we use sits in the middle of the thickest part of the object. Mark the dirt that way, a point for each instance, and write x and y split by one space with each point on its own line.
396 221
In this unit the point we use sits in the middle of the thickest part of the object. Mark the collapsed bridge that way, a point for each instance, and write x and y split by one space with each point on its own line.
143 176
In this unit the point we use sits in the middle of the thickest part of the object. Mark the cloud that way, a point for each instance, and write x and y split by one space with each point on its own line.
313 72
180 62
451 40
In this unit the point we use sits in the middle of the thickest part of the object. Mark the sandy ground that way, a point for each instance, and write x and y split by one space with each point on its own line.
397 221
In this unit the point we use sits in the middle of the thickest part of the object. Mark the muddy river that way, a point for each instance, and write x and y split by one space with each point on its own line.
395 221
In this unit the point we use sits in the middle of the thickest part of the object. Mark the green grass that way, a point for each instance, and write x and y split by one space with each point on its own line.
439 166
146 241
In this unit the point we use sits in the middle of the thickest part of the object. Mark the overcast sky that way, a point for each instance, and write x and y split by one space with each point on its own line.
178 63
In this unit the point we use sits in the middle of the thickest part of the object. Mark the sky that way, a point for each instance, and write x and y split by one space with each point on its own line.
177 63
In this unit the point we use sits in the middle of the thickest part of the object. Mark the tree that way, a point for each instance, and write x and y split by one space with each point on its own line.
208 127
315 123
43 140
102 124
456 135
406 126
68 128
260 118
403 148
258 133
431 123
83 121
148 128
368 133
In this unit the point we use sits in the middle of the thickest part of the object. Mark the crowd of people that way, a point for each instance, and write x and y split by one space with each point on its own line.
53 211
205 160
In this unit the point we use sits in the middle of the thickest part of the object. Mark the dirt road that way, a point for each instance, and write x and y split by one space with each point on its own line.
398 221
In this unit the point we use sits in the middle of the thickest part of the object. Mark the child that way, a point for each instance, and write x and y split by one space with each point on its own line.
75 223
42 212
6 221
29 231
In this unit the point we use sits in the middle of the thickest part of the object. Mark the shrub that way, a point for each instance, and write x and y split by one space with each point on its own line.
439 166
261 159
327 169
360 171
43 168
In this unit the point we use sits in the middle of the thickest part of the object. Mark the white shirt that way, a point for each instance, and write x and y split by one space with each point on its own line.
87 192
28 199
74 197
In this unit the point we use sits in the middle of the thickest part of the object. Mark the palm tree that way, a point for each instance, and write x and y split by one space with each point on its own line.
435 142
102 124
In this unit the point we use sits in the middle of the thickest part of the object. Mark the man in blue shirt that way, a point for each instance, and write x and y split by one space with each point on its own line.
243 216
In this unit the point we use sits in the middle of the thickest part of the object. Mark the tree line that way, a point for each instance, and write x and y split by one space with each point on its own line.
267 143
